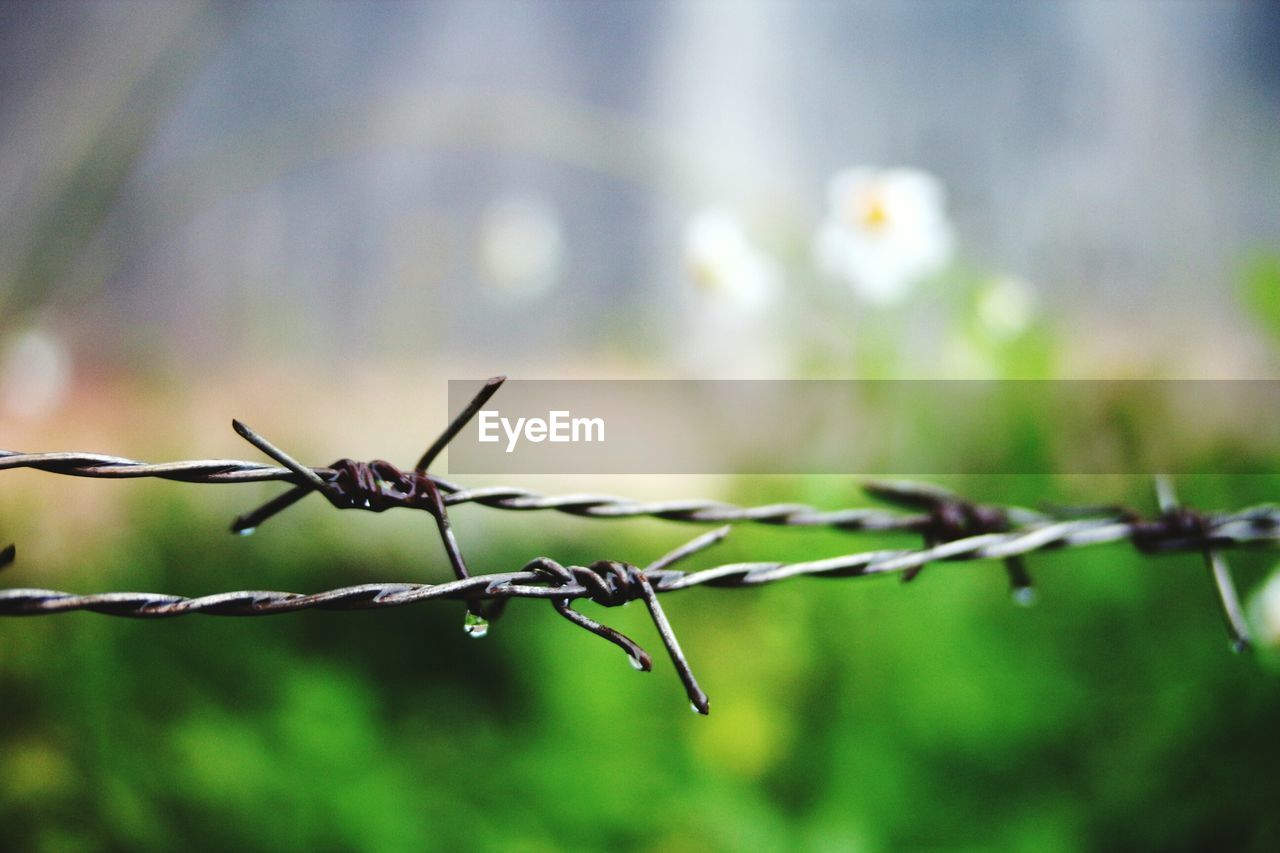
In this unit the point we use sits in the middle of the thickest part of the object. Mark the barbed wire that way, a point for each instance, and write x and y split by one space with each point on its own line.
308 479
953 528
610 583
496 497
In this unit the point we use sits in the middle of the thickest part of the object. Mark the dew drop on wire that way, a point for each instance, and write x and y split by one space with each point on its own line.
475 626
246 531
635 662
1024 596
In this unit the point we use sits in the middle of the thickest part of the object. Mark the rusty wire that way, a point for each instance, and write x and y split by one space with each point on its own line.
497 497
953 529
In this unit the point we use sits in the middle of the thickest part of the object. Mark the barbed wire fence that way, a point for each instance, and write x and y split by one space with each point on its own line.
953 529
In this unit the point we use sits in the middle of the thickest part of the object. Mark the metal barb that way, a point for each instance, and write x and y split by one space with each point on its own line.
688 549
375 486
365 492
451 548
464 417
559 576
317 482
1189 524
1232 613
951 517
1020 584
610 583
691 687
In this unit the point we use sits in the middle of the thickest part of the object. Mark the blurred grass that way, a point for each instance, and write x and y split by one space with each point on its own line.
846 715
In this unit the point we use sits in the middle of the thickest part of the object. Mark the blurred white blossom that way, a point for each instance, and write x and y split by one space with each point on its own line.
726 265
35 374
522 247
732 330
1006 307
885 231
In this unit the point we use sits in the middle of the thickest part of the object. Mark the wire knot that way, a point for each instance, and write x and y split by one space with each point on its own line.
1178 528
610 583
949 517
378 486
955 518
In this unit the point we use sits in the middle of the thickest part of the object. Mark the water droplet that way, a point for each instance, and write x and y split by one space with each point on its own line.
1239 646
475 625
695 708
1024 596
635 662
246 531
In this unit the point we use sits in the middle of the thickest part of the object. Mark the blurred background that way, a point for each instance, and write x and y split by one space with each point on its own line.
311 215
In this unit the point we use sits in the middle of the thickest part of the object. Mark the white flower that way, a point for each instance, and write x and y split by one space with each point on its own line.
522 247
35 374
886 230
730 331
726 265
1006 307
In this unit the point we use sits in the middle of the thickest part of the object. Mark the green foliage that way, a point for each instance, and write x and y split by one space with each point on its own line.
1260 292
845 714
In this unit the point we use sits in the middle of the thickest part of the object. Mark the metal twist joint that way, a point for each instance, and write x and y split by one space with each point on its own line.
611 583
952 518
378 486
1179 528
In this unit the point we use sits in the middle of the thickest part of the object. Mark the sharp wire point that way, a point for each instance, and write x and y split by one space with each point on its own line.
619 639
457 424
253 519
280 456
1020 584
688 549
691 686
451 548
1166 493
1232 612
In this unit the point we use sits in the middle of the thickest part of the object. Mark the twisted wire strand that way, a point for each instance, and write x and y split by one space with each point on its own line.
1258 526
102 466
357 485
954 530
